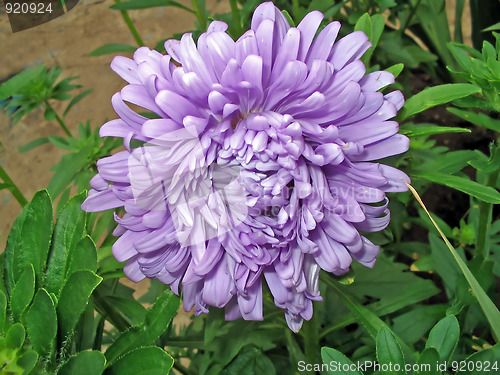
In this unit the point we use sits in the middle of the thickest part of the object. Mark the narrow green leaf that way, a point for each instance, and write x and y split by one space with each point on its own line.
389 352
75 100
14 338
23 293
156 322
41 323
433 96
144 4
16 83
84 363
444 337
428 362
484 193
419 131
143 360
493 27
112 48
29 240
74 298
69 230
342 364
33 144
67 169
83 257
479 119
130 308
490 310
364 24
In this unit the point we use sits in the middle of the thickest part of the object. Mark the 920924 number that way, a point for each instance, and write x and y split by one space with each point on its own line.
25 8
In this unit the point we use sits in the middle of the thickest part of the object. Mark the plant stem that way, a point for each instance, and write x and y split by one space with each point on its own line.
199 14
131 26
408 20
485 213
236 18
311 342
12 187
58 119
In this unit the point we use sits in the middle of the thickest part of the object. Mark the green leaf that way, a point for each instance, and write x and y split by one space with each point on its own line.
479 119
83 257
14 338
414 324
144 4
427 362
371 322
433 96
84 363
41 322
74 299
76 99
3 312
130 308
364 24
16 83
29 240
69 230
67 169
112 48
33 144
396 69
389 352
250 362
493 27
444 337
142 361
23 293
156 322
342 364
484 193
419 131
486 357
27 361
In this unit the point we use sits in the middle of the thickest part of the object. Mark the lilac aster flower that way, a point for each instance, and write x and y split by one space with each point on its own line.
259 165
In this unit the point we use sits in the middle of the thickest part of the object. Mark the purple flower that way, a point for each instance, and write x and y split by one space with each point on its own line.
258 168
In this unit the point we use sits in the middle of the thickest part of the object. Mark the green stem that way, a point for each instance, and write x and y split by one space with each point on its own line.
311 341
485 214
58 119
12 187
236 18
131 26
199 14
410 17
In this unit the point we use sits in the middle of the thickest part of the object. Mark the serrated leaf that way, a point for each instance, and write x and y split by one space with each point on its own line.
23 293
484 193
83 257
444 337
343 365
29 240
84 363
69 230
144 4
73 300
389 352
143 360
433 96
14 338
157 319
3 311
112 48
41 322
